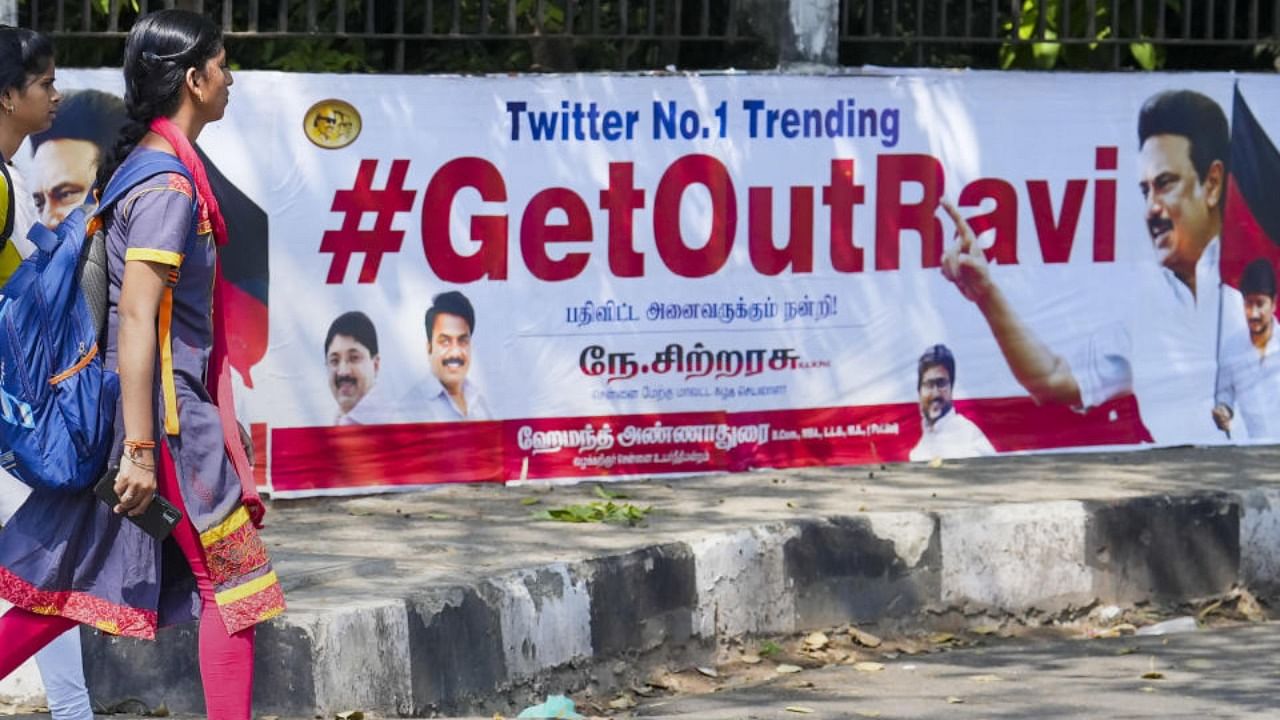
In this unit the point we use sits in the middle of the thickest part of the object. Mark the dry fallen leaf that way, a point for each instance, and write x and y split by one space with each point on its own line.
953 700
869 713
816 641
1153 675
1127 650
751 659
622 702
935 463
786 669
941 638
986 629
868 666
985 678
864 639
1148 689
799 709
709 672
351 715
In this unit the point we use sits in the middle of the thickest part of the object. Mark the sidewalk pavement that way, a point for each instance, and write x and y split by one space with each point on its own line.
454 600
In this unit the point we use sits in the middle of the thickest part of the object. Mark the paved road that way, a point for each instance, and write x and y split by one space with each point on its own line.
1223 673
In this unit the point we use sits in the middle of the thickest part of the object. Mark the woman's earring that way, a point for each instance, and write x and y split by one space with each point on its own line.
8 109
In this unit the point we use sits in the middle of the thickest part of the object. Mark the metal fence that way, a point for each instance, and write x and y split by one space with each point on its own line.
1083 34
496 35
441 35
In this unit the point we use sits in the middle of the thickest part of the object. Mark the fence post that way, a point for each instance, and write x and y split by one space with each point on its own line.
810 34
9 12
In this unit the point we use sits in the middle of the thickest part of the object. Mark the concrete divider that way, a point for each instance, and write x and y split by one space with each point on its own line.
477 646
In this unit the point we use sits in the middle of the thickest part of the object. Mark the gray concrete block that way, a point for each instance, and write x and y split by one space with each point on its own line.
1164 547
1015 557
843 571
545 615
164 671
1260 540
742 584
642 599
360 656
455 649
284 669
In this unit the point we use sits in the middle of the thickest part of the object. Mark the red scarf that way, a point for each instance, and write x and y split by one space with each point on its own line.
219 383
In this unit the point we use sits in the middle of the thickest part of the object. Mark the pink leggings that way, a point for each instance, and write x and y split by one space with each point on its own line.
226 661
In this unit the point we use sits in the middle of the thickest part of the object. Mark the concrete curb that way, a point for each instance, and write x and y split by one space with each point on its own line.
453 649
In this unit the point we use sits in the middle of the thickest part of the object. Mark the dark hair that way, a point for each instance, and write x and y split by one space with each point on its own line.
161 47
355 325
1258 278
936 356
1195 117
90 115
23 55
451 303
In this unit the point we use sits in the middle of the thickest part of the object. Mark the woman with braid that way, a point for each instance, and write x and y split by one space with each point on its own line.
69 558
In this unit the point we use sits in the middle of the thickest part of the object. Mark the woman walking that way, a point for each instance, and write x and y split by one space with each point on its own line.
28 101
68 558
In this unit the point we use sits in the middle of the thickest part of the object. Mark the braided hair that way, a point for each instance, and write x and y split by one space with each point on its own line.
161 47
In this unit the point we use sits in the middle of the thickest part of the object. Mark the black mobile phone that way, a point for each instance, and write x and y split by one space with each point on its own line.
160 517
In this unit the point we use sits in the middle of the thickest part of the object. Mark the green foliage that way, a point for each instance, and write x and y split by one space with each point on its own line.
769 649
1067 42
597 512
316 55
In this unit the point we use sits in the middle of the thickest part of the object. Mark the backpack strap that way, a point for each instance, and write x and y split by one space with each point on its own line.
128 176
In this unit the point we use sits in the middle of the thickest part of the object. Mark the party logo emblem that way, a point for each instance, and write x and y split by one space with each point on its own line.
332 124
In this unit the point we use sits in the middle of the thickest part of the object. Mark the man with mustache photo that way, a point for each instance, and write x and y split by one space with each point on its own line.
351 358
1166 353
944 433
448 395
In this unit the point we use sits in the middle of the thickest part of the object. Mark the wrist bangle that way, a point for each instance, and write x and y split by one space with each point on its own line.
140 444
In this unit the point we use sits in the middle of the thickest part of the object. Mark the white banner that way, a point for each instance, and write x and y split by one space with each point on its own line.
638 274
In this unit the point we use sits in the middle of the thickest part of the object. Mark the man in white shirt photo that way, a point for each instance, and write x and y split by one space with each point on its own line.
1249 372
945 434
1164 351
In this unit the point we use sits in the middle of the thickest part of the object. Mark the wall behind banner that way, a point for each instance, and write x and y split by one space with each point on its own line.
683 274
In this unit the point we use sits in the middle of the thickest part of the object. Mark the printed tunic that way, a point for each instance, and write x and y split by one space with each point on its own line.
68 554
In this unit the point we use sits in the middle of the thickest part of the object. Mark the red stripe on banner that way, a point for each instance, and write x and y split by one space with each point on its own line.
356 456
1243 239
1014 424
351 457
615 445
258 433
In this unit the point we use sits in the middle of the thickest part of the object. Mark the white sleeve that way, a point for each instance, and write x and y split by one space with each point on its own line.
1101 366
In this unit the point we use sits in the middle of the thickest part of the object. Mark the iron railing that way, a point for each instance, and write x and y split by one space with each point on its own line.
462 35
1084 34
445 35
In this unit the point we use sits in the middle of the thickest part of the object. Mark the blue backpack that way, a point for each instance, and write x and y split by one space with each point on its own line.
57 397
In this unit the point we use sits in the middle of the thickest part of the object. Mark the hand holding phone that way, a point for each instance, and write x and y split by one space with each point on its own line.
158 520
